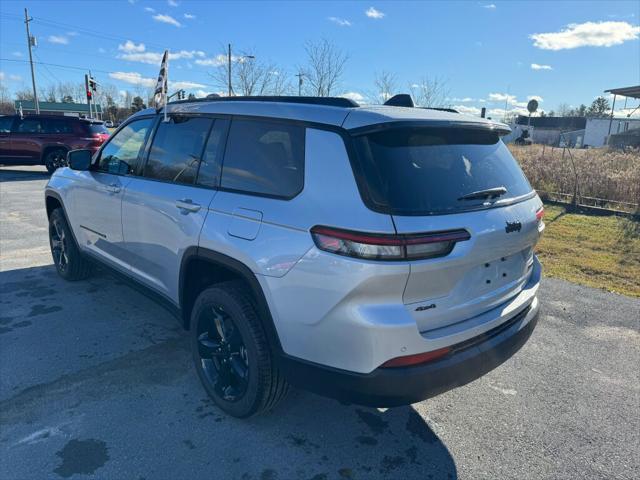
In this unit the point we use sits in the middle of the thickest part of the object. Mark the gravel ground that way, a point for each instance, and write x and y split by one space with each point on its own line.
96 381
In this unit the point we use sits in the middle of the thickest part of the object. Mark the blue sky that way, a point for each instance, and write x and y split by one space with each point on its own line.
484 50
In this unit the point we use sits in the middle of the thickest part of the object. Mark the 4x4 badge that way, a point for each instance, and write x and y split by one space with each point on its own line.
513 227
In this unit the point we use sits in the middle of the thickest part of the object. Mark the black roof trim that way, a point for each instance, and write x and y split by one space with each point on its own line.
326 101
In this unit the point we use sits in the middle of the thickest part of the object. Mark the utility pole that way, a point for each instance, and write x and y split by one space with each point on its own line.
300 75
229 69
30 43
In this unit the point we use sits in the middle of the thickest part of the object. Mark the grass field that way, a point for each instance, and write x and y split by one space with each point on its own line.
597 251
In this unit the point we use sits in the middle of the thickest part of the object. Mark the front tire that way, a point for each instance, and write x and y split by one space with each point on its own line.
66 256
231 352
55 159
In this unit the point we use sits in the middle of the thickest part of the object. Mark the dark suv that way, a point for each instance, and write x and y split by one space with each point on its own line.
46 139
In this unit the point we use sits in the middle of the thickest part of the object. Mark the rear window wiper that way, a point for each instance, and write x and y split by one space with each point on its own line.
488 193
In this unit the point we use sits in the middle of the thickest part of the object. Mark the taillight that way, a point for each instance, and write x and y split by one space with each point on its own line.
540 214
373 246
417 359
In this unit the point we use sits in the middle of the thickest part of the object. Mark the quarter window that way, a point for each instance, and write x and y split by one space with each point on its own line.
177 148
264 157
5 124
121 154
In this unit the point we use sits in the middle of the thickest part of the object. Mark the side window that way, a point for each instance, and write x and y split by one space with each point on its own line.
209 173
5 124
121 154
56 125
176 149
29 125
265 158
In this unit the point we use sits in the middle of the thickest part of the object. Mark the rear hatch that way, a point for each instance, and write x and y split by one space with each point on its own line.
443 179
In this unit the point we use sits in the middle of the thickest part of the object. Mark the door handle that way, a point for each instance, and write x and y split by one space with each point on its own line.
187 205
113 188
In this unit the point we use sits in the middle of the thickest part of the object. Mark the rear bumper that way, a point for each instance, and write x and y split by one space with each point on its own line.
389 387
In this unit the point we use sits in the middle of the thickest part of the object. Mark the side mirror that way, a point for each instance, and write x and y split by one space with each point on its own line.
79 159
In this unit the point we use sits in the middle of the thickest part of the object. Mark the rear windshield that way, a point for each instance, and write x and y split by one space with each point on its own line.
96 128
426 171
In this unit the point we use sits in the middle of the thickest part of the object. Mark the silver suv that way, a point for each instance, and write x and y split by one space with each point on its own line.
378 255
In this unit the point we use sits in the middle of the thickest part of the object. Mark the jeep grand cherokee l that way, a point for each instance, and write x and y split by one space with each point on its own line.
380 255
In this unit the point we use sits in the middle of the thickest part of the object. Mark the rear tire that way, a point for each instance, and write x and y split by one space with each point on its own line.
55 159
69 262
231 352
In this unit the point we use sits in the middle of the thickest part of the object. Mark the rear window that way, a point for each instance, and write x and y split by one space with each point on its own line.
425 171
96 128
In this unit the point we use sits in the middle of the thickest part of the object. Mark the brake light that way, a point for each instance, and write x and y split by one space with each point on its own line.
373 246
417 359
540 214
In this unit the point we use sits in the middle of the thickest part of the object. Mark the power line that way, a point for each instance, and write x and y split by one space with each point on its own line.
84 69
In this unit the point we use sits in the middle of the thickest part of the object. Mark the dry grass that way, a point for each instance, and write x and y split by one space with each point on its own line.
602 172
597 251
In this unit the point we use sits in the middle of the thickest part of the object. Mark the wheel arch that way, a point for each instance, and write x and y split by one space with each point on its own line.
202 267
48 148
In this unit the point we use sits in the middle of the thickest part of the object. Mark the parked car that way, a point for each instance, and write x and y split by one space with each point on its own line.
108 124
378 255
46 139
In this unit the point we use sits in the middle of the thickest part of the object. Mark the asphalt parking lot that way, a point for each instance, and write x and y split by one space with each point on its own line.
96 381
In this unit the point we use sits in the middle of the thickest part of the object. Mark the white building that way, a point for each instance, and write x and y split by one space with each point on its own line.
597 129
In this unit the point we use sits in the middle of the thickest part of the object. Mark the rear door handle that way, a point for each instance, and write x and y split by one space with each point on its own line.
187 205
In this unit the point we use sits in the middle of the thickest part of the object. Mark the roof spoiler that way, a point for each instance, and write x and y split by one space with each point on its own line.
400 100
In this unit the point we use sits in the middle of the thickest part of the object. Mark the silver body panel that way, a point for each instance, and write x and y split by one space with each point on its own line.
332 310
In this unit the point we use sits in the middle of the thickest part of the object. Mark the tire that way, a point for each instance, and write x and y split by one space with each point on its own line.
231 352
55 159
69 262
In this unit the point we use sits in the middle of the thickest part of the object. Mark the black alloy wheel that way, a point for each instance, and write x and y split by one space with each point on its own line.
223 355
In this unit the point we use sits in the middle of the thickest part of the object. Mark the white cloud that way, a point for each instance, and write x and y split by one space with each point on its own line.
16 54
588 34
131 47
166 19
134 78
172 3
489 6
535 97
462 100
535 66
343 22
355 96
59 39
501 97
72 34
185 85
1 75
373 13
213 62
154 58
15 78
102 50
467 110
189 16
149 9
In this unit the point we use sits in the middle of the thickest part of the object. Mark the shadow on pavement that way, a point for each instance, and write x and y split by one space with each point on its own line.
15 175
114 359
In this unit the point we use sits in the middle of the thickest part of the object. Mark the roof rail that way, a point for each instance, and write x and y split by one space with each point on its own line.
441 109
327 101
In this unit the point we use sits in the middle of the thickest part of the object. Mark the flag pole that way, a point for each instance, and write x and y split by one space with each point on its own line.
166 88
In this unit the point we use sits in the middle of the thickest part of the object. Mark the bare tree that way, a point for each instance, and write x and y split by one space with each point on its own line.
386 84
251 76
324 68
429 92
6 105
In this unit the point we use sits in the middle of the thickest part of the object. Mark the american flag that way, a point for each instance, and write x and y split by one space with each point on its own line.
160 94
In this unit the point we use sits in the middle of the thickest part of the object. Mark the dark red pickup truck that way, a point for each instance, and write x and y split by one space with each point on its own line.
46 139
